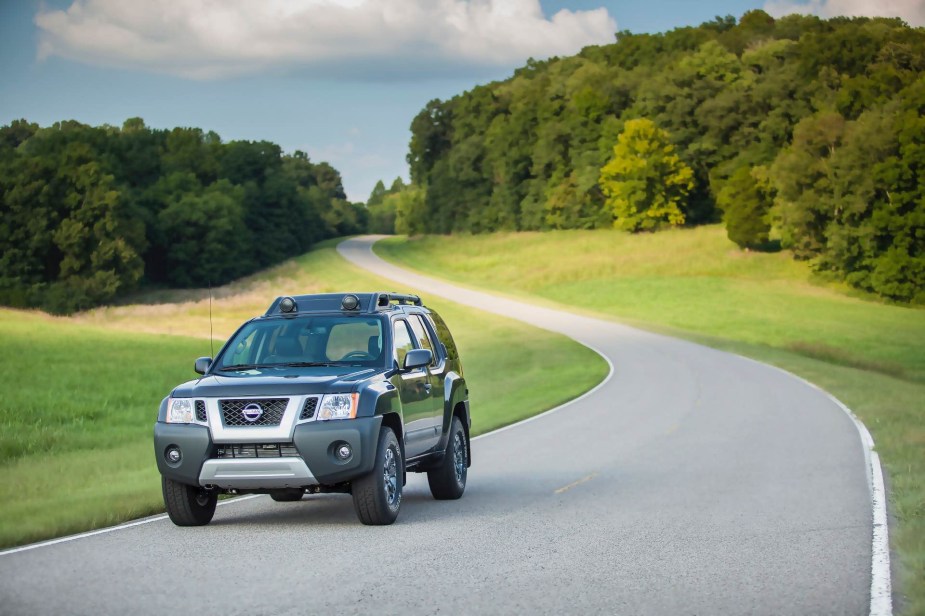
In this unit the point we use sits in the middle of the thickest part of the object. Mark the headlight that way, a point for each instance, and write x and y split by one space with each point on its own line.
338 406
179 410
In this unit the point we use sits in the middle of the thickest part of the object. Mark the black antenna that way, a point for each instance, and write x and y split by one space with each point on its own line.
211 344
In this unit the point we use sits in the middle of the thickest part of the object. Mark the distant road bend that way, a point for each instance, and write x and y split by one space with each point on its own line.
692 481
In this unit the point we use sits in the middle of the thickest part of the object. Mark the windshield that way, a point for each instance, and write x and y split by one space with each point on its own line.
305 341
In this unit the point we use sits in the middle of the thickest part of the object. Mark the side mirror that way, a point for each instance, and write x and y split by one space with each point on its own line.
418 358
202 365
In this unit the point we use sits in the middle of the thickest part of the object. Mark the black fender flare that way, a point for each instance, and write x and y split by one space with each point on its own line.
385 402
456 393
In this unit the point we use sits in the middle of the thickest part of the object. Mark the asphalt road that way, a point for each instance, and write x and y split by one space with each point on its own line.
691 482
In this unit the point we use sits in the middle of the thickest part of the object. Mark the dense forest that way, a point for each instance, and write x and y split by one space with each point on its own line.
800 133
90 213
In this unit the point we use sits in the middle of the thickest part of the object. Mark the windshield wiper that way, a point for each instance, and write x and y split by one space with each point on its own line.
310 364
238 367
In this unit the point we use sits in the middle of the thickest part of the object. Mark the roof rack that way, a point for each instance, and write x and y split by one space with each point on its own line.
366 303
385 299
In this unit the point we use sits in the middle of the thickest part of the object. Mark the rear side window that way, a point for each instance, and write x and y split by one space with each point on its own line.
443 334
420 334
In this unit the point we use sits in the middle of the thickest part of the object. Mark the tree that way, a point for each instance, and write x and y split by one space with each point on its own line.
877 239
382 210
645 183
208 240
746 203
97 242
397 185
376 196
430 138
805 182
410 210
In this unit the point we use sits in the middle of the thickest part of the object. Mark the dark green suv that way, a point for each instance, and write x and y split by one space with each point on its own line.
340 392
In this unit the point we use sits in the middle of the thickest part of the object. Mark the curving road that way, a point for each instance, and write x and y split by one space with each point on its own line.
690 482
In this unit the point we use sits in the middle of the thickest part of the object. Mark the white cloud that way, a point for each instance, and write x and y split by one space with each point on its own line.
912 11
352 38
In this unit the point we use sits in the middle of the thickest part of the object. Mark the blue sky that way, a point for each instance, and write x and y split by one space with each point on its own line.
333 80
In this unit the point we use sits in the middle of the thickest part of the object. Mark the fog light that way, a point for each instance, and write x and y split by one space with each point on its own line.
343 452
173 455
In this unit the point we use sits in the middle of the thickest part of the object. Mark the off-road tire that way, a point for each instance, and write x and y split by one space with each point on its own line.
448 481
188 505
377 495
287 496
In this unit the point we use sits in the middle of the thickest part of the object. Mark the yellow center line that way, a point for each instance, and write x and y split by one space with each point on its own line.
576 483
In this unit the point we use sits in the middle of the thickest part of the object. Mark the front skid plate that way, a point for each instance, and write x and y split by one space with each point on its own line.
254 474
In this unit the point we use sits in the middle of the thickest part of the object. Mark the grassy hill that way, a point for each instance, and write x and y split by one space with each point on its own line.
696 284
75 444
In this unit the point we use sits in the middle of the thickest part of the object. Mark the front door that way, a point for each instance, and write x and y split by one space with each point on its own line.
415 389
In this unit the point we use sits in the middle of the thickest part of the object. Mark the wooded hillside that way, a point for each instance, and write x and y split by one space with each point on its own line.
798 132
88 213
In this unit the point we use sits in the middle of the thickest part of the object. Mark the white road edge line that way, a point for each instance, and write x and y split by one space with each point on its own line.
881 587
110 529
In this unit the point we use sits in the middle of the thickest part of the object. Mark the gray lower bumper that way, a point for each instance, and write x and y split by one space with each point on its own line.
315 442
255 474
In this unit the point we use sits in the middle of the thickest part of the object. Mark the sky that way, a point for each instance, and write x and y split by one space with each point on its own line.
339 79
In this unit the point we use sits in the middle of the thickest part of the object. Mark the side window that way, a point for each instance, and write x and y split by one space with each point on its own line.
420 334
402 341
443 334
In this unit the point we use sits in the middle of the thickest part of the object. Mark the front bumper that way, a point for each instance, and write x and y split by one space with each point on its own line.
316 463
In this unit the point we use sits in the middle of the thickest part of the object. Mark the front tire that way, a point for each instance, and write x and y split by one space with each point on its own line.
448 481
188 505
377 495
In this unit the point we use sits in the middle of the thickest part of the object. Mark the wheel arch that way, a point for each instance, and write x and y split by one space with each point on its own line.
461 410
394 421
456 404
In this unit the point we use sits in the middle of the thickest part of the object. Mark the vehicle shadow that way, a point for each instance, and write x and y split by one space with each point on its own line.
320 510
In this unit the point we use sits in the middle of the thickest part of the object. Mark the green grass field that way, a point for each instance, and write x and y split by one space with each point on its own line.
696 284
82 393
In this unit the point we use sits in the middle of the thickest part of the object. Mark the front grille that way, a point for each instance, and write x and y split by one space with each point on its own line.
250 451
270 411
308 409
200 410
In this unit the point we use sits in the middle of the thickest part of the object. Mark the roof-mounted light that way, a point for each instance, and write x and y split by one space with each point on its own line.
287 304
350 302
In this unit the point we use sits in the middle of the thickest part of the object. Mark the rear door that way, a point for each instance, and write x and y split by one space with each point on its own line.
415 389
436 371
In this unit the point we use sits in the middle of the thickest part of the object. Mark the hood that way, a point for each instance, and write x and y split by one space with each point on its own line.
276 382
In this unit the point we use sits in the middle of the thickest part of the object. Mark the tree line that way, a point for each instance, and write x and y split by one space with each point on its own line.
797 132
91 213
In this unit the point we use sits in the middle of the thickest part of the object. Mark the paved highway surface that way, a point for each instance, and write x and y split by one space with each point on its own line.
691 482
